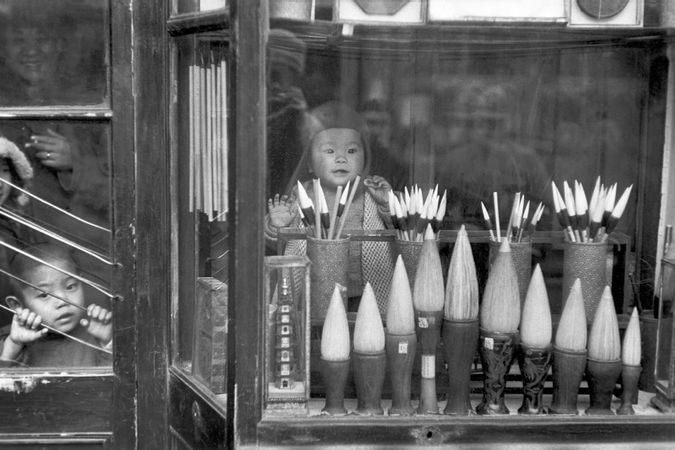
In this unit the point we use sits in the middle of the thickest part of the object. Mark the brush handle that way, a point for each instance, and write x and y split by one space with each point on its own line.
369 370
497 351
568 370
629 383
460 342
400 357
534 364
601 377
428 335
334 375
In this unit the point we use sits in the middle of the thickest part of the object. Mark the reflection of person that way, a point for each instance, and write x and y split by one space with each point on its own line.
286 107
337 152
26 341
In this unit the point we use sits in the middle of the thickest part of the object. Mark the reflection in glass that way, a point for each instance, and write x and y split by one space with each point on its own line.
188 6
53 52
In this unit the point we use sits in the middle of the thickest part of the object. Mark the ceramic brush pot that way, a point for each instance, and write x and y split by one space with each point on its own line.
586 261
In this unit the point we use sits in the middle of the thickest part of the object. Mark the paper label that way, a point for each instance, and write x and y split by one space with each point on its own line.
489 343
428 366
422 322
403 348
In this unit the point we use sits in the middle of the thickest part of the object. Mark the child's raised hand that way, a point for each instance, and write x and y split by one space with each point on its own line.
98 323
379 188
282 210
26 327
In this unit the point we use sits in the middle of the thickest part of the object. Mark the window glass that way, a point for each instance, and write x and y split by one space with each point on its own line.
53 53
188 6
55 256
201 193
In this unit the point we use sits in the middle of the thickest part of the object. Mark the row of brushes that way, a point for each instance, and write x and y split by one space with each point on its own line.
518 227
592 221
318 220
411 212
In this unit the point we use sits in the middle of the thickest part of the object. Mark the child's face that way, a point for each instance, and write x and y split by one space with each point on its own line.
55 312
32 53
6 175
337 156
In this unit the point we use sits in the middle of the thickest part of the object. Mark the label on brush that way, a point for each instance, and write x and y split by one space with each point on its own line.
428 366
489 343
422 322
402 348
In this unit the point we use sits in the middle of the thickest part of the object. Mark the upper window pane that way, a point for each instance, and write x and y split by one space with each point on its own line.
53 53
188 6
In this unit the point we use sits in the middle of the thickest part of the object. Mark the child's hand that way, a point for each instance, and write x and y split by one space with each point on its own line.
379 188
98 323
282 210
26 328
53 150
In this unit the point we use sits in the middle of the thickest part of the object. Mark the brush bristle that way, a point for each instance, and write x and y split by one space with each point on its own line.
631 352
428 290
535 323
604 343
500 312
461 290
572 332
335 333
368 329
400 312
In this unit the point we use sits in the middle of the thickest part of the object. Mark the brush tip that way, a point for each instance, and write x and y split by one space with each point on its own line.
335 332
368 329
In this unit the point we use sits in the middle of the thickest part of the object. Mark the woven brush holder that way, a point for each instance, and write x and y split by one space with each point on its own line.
330 260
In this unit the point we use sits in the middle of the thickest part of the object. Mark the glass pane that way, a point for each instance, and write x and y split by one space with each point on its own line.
188 6
203 245
55 254
53 52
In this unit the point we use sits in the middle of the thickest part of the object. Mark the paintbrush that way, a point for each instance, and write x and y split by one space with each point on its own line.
604 343
334 215
495 201
561 212
571 209
488 222
535 323
461 290
572 329
335 354
401 340
428 300
369 359
581 206
631 354
500 311
440 212
343 217
306 205
618 210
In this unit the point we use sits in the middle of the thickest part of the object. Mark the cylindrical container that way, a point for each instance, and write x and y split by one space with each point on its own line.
428 329
369 370
460 341
334 375
521 255
400 357
568 370
629 385
648 327
330 261
496 352
534 364
601 377
588 262
410 252
291 9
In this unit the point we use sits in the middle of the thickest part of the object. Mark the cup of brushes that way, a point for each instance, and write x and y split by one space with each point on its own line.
587 227
460 325
327 249
498 337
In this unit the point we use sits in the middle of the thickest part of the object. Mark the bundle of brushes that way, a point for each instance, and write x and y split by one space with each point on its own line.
592 221
521 225
319 221
411 212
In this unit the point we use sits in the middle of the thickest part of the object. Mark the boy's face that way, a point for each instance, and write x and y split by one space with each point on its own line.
55 312
32 53
5 174
337 156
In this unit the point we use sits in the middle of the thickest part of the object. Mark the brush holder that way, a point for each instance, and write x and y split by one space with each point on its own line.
330 261
369 371
588 262
568 371
400 357
534 365
410 252
629 384
460 341
521 255
334 374
601 377
428 329
496 353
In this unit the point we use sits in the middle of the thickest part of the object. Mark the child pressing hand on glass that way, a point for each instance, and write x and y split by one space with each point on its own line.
336 153
53 297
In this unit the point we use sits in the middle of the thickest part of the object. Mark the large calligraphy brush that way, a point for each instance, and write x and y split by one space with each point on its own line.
335 354
631 354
